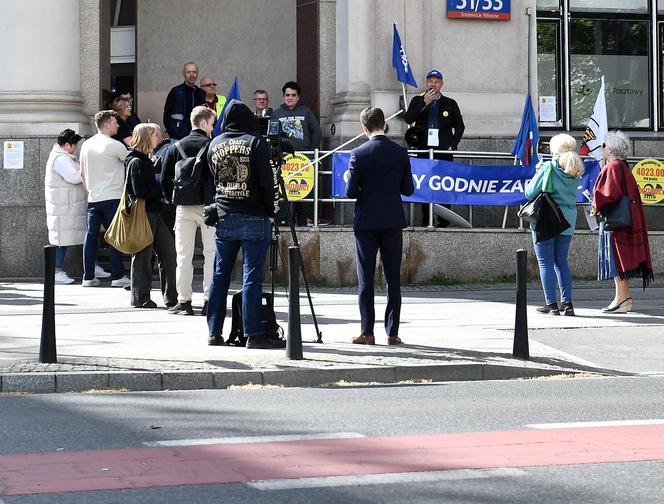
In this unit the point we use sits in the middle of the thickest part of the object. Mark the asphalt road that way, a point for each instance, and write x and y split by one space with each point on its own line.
484 434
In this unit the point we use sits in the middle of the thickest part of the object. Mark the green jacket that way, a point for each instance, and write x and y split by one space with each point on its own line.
562 188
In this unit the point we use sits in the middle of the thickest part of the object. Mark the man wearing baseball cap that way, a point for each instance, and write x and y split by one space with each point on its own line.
440 124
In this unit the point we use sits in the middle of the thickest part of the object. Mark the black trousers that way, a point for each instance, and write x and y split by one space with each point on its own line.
141 265
390 244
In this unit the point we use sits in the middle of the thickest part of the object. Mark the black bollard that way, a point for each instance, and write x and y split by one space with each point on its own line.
520 348
47 347
294 340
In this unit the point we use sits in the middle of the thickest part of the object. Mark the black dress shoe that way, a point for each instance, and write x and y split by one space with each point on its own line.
551 309
204 309
147 304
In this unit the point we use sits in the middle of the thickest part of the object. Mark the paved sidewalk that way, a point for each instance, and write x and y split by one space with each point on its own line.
450 333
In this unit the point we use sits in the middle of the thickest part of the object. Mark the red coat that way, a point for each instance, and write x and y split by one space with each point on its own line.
630 245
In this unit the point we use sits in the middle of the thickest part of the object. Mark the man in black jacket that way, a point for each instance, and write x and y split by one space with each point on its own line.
188 218
239 160
439 119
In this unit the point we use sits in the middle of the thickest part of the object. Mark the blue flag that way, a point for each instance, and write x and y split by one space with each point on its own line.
527 139
233 94
400 61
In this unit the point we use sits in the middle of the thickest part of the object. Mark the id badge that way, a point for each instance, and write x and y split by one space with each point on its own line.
433 137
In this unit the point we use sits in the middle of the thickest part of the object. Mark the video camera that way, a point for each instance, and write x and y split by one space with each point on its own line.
272 132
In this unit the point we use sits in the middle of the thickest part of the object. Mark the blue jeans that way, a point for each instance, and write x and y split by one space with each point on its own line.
553 266
252 234
100 212
60 258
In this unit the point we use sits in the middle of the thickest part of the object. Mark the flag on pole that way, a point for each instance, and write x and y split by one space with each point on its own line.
527 139
593 138
233 94
400 61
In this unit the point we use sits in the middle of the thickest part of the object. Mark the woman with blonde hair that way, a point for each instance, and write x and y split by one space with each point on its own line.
623 253
560 177
143 184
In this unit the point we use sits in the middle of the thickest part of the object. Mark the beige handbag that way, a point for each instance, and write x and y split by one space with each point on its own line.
130 230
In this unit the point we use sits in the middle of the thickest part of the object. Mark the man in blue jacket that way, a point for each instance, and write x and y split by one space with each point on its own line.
180 101
379 174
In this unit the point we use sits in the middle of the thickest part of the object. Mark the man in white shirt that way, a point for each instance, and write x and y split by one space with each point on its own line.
102 171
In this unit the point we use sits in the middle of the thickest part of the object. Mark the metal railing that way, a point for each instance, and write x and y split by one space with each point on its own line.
316 199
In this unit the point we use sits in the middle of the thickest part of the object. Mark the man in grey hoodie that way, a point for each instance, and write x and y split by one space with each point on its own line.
301 130
298 121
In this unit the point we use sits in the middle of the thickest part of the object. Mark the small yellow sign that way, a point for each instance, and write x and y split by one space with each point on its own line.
649 175
298 180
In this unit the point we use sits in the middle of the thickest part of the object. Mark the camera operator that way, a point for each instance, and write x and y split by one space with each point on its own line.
239 160
440 123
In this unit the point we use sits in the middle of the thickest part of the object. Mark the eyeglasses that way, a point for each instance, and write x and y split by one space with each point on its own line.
209 84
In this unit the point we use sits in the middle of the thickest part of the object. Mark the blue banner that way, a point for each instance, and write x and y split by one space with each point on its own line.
463 184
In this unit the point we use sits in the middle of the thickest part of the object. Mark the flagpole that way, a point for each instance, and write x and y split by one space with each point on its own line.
405 99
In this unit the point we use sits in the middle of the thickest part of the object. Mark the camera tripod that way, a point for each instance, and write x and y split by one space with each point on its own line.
274 247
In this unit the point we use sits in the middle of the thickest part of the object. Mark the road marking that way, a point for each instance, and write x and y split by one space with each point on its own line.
604 423
149 467
384 479
255 439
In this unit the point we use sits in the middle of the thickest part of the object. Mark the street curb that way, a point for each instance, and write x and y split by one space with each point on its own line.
59 382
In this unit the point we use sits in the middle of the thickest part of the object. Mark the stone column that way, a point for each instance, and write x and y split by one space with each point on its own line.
40 84
355 65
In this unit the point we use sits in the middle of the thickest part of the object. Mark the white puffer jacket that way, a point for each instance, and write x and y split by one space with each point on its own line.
66 202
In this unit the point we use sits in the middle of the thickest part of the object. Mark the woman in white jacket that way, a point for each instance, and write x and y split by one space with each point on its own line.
66 200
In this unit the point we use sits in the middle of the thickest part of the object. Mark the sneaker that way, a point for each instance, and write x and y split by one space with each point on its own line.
120 282
551 309
182 309
101 273
61 277
567 309
93 282
265 341
204 309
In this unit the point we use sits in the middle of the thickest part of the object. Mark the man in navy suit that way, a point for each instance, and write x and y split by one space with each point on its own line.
379 175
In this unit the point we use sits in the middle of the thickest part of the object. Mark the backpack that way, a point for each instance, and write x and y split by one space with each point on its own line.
269 320
187 186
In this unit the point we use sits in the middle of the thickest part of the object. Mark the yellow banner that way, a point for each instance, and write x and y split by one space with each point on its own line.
298 185
649 175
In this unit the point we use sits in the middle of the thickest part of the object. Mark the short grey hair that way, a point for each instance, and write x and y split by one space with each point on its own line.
619 144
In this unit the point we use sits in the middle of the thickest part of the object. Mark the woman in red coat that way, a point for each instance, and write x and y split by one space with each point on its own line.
623 253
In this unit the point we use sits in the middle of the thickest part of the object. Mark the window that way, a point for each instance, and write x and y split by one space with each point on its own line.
619 50
548 72
640 6
548 5
603 37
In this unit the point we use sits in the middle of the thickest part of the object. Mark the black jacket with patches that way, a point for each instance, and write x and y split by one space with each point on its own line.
239 161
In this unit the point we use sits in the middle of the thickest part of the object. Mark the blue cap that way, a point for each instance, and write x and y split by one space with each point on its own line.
435 73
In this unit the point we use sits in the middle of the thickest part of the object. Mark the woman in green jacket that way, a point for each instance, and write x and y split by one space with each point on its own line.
560 177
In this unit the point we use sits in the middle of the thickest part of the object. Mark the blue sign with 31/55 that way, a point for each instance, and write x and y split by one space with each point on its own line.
491 10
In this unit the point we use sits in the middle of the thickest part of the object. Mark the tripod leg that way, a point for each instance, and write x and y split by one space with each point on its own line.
296 243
